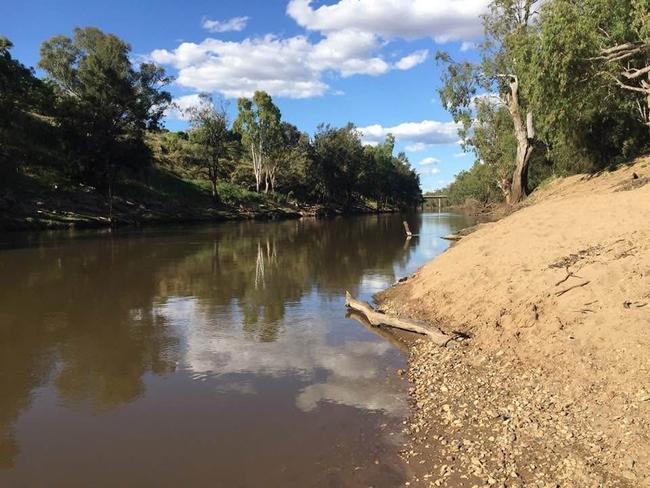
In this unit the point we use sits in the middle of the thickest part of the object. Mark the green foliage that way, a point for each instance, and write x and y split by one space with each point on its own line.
104 105
213 144
97 119
20 94
232 194
585 119
258 123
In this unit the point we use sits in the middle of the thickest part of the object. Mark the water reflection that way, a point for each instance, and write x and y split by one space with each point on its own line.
92 318
353 372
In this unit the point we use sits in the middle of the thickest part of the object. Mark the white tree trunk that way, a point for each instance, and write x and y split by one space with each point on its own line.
524 133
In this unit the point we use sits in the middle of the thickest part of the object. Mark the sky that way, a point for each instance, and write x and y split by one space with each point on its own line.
370 62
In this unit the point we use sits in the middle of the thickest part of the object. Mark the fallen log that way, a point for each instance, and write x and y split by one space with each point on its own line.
377 319
384 333
452 237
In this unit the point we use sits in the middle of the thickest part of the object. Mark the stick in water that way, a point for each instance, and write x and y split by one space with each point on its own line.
377 319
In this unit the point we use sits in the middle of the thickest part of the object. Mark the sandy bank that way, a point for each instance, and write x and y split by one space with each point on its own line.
554 386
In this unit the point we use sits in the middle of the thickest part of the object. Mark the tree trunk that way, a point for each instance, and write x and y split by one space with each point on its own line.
110 201
110 173
257 166
212 173
524 133
215 196
519 187
646 86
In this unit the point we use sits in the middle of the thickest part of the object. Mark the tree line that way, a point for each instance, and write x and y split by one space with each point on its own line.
97 119
560 87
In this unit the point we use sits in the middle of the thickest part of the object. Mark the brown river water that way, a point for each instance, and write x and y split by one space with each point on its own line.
204 356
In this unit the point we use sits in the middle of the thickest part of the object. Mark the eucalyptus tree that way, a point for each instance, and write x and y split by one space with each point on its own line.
510 28
258 123
212 139
286 152
590 81
105 104
623 31
20 94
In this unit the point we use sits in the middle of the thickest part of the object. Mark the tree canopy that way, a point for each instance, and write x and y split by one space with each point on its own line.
576 73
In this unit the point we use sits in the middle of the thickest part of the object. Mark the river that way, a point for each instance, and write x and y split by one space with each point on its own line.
204 356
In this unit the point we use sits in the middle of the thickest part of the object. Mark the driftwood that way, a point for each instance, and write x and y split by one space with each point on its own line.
385 334
452 237
407 229
377 319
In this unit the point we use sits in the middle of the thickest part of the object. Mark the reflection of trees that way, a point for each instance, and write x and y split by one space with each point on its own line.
82 312
263 268
67 312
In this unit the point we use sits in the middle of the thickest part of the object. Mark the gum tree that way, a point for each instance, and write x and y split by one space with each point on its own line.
258 122
510 28
210 135
105 104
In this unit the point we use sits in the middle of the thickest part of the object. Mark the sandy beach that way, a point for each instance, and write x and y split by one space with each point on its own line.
552 388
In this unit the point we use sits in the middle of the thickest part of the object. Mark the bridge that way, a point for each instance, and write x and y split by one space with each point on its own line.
432 198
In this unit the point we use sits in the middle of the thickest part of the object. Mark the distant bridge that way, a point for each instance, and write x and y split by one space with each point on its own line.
439 198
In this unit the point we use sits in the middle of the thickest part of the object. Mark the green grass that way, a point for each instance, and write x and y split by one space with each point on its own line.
231 194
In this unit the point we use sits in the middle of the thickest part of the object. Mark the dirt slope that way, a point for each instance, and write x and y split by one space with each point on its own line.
557 299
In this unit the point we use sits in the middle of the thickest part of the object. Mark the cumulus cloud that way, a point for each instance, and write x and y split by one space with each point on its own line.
431 160
467 46
442 20
418 147
412 60
461 155
291 67
351 374
236 24
180 106
419 134
352 36
278 66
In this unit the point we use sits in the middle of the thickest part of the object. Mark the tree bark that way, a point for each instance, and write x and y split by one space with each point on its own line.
215 197
377 319
524 133
256 156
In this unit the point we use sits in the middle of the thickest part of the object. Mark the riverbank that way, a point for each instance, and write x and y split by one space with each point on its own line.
552 388
38 202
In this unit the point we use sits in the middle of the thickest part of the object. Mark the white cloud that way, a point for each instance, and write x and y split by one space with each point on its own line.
431 160
428 171
352 36
349 52
418 147
236 24
467 46
180 105
461 155
442 20
412 60
427 132
351 374
291 67
279 66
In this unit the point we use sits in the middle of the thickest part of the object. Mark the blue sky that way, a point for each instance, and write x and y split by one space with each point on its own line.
365 61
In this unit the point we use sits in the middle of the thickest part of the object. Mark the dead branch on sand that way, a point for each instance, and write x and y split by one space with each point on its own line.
377 319
560 293
569 274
